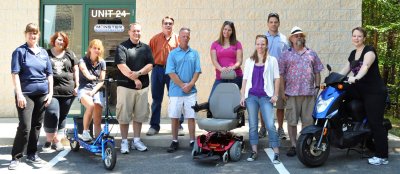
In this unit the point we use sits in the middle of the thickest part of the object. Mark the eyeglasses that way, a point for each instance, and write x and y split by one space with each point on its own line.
298 35
168 23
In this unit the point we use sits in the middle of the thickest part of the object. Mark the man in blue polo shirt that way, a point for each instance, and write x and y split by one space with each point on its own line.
183 67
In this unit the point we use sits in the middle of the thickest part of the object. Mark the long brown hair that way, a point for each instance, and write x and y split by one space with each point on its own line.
232 38
254 56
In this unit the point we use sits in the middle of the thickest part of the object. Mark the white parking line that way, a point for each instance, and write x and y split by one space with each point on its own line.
279 167
60 157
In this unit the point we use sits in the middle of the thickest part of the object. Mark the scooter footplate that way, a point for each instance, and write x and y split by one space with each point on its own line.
205 157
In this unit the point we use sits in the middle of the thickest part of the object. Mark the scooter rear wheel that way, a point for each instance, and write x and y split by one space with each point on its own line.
235 152
110 156
307 152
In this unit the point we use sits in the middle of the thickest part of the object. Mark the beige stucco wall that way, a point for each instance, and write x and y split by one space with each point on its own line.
15 14
327 22
328 25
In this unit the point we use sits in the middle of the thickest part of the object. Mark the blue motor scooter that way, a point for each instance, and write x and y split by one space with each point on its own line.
104 144
339 123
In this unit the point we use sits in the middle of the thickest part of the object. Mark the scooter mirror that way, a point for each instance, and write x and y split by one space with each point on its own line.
329 67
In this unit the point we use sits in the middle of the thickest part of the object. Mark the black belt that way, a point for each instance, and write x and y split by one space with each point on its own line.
158 65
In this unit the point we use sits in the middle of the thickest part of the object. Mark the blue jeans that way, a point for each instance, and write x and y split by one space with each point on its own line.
158 80
237 81
255 104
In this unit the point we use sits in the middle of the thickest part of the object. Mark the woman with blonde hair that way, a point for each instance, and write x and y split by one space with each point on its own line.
92 71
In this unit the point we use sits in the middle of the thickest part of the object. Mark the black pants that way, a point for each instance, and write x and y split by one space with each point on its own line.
30 122
56 113
374 105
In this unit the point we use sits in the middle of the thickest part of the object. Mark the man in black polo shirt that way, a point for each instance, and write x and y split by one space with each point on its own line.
134 61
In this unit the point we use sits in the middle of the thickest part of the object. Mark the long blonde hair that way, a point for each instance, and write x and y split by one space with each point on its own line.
99 44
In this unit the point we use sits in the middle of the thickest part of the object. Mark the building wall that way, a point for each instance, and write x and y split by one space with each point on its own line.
15 14
328 25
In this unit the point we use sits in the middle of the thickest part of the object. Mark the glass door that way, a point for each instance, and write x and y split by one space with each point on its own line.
66 18
110 25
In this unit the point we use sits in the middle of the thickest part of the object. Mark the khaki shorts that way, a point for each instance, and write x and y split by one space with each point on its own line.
131 105
300 106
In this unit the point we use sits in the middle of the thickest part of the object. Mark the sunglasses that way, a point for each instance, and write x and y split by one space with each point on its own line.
273 15
168 23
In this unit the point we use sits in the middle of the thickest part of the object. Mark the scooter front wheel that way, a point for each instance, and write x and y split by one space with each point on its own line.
74 145
110 156
307 150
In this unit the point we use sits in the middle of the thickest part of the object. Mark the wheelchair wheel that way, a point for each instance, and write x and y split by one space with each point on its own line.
196 149
225 157
110 158
74 145
235 152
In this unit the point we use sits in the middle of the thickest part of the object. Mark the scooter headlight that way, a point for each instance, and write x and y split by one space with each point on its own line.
323 104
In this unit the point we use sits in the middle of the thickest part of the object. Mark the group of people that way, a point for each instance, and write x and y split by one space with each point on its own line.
281 72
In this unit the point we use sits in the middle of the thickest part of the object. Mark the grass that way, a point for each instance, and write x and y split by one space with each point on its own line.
395 124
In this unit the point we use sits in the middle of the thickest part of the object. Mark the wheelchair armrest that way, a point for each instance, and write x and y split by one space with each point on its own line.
238 108
200 107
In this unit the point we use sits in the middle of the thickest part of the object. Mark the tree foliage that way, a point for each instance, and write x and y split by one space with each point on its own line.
381 18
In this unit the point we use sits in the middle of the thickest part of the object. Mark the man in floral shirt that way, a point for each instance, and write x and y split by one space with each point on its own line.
300 69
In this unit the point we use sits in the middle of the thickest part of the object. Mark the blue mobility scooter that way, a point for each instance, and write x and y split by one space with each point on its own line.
224 114
104 144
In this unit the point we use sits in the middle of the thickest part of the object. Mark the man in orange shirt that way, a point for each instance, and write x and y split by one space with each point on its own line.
161 44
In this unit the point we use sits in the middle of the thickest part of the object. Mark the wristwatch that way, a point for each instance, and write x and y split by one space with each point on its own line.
139 73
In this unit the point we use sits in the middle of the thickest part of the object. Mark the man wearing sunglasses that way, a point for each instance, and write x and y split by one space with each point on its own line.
161 44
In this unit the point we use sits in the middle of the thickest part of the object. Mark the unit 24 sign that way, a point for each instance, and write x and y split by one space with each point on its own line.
108 13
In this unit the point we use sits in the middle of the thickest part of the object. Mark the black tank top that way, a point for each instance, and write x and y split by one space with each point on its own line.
372 81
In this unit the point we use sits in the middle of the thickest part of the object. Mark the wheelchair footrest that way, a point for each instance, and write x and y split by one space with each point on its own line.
206 157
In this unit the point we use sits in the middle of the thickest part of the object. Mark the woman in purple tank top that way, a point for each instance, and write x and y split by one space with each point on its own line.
259 92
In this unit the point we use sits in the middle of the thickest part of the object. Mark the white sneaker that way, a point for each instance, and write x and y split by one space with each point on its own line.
377 161
86 136
138 145
124 147
14 164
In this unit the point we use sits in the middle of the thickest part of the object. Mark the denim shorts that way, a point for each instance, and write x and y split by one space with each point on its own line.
97 98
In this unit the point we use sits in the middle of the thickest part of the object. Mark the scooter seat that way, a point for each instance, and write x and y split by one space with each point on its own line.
213 124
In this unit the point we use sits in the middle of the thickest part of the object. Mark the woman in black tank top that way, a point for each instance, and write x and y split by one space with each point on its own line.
369 88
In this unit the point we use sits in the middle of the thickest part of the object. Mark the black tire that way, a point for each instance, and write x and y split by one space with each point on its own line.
110 156
235 152
306 153
74 145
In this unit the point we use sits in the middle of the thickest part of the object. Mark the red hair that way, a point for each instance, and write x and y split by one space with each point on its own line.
55 36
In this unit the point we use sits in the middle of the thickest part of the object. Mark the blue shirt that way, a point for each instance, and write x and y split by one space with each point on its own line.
277 44
184 64
32 69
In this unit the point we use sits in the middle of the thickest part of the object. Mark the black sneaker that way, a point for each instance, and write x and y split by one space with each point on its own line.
35 159
291 152
173 147
276 159
252 157
46 147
